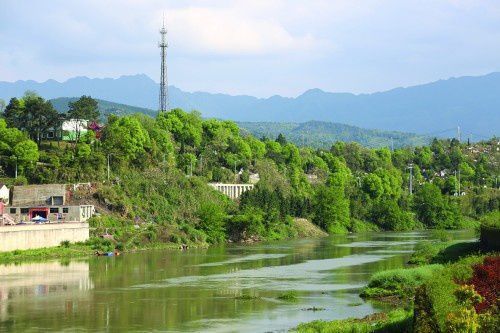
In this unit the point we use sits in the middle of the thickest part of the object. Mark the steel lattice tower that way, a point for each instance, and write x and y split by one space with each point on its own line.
164 103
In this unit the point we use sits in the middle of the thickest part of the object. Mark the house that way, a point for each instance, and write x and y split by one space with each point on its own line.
68 130
4 194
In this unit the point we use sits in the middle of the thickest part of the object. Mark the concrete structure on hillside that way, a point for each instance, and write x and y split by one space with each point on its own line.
23 237
233 191
55 213
49 201
47 194
4 194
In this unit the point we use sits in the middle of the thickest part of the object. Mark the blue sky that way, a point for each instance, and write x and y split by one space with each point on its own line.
258 47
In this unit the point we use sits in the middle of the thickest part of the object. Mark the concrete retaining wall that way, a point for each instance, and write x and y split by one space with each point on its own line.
23 237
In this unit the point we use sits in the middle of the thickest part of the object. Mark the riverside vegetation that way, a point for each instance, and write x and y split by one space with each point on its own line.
158 195
454 288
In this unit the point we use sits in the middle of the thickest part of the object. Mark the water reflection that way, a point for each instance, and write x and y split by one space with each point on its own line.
28 288
197 290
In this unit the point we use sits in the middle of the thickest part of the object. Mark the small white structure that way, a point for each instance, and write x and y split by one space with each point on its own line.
4 193
233 191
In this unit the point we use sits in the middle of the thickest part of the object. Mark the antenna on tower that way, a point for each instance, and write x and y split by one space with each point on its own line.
163 45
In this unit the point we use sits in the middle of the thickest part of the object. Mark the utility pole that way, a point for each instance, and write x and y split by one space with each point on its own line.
16 166
411 177
108 166
392 144
456 185
163 45
458 134
459 191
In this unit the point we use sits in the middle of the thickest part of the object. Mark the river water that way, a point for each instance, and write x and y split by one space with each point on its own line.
200 290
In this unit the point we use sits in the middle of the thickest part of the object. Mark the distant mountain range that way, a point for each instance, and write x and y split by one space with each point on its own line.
473 103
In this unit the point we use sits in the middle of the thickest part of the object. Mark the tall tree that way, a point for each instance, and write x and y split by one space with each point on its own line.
81 111
14 113
39 117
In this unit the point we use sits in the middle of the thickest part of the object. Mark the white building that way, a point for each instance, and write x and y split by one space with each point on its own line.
4 193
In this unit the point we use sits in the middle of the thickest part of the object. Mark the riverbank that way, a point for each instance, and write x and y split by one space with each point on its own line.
451 287
126 239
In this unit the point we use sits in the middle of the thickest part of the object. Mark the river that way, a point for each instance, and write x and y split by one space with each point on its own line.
200 290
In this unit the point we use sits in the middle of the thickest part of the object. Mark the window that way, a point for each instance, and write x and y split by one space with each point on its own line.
65 210
25 210
50 135
57 200
13 211
54 210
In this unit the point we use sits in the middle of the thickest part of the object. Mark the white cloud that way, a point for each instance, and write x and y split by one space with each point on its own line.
226 31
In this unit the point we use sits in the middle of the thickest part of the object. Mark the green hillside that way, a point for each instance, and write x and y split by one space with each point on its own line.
317 134
106 107
321 134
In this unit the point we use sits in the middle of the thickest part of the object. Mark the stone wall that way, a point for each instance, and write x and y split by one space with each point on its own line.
23 237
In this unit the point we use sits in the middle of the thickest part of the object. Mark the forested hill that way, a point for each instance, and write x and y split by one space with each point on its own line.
321 134
317 134
469 102
105 107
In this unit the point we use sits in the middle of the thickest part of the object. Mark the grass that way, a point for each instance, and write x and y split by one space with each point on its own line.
395 321
289 296
64 251
397 282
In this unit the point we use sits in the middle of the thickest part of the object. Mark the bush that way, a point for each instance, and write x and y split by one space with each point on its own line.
490 231
425 252
65 243
398 282
486 281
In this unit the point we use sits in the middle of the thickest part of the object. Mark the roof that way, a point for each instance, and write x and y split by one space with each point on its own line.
2 185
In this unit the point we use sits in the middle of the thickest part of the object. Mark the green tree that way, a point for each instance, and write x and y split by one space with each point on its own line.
81 111
25 153
38 117
127 139
433 209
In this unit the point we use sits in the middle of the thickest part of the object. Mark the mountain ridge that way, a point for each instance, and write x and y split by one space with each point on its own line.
472 102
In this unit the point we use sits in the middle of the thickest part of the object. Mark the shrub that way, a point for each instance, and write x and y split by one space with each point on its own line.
464 320
490 231
398 282
65 243
486 281
425 252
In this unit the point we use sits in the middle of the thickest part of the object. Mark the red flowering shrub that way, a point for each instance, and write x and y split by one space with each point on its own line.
486 281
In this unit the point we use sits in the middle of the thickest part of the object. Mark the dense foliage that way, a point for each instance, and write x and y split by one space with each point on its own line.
159 169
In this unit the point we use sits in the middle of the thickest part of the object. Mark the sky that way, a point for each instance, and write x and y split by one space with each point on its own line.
258 47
